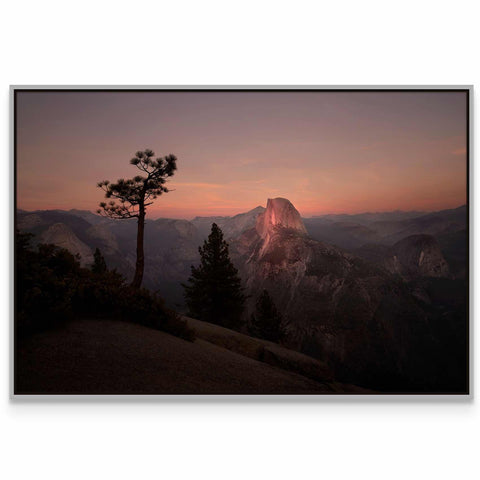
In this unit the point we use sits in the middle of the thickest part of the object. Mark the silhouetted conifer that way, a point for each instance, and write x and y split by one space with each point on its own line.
99 265
266 322
214 293
131 197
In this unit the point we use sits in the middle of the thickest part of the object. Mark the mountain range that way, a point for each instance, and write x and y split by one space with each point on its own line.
380 298
171 244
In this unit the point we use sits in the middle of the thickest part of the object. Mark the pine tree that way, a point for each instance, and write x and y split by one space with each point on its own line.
214 293
131 197
266 322
99 265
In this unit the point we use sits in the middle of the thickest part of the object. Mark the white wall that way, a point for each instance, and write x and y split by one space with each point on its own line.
249 42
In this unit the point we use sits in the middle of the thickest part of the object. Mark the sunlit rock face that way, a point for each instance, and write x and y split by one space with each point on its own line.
280 213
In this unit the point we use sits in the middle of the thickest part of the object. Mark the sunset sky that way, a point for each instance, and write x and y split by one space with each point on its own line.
327 152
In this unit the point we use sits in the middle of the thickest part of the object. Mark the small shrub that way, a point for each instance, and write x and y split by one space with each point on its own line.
174 325
45 285
98 294
148 309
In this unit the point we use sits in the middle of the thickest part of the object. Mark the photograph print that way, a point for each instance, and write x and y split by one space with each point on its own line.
229 241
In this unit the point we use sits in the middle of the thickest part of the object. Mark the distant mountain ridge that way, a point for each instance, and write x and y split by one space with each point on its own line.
369 217
356 230
171 245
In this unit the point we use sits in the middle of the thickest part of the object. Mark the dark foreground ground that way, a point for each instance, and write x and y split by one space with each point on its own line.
98 356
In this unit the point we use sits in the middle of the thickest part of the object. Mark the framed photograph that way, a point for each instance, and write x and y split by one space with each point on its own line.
241 241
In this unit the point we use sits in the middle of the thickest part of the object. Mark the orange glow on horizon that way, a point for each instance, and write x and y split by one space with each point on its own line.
327 152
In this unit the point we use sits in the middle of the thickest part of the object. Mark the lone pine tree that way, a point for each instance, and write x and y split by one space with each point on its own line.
266 322
133 196
214 293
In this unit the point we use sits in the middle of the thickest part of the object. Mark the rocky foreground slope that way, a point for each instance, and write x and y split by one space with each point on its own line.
111 357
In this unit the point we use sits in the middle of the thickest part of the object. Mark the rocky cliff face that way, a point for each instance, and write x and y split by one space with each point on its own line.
280 214
102 237
231 227
280 217
62 236
417 255
171 247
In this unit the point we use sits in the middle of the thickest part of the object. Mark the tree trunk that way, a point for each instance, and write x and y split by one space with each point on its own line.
139 266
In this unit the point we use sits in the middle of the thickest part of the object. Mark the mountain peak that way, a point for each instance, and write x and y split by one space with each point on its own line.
280 213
